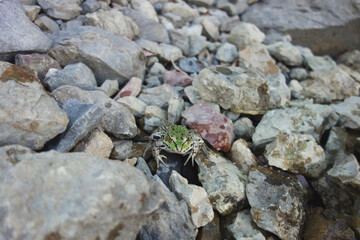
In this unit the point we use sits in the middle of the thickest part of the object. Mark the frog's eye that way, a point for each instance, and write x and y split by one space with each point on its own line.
156 137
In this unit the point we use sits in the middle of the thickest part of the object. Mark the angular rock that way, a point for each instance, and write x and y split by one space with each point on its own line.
61 9
233 8
317 63
158 96
336 143
169 52
353 73
210 29
175 78
96 188
202 3
214 127
32 11
29 116
132 88
181 10
241 156
296 89
313 119
136 106
157 69
277 202
244 128
349 112
145 8
296 153
117 120
180 40
113 21
193 95
15 23
244 34
197 44
176 106
279 92
286 53
90 6
46 24
227 52
211 230
110 87
117 59
195 197
154 117
77 74
96 143
127 149
28 2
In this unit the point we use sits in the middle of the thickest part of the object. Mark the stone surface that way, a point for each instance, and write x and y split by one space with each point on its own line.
241 156
145 8
61 9
15 23
46 24
132 88
32 11
197 44
110 87
154 117
353 73
195 197
135 105
190 65
296 153
210 30
77 74
158 96
349 112
117 59
97 143
127 149
227 52
244 34
176 78
244 128
279 92
214 127
203 3
299 74
232 7
96 188
29 116
351 59
117 120
286 53
181 10
277 202
169 52
180 40
176 106
90 6
211 230
317 63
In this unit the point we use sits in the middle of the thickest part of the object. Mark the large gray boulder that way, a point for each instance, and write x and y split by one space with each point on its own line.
18 33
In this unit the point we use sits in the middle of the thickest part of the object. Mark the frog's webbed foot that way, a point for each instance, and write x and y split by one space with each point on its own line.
192 156
159 159
157 156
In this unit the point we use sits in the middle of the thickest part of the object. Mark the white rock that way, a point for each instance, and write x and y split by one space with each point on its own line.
242 156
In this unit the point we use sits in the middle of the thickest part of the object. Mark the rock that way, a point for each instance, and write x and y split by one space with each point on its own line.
349 112
244 34
234 88
181 10
61 9
180 40
244 128
296 89
77 74
257 57
296 153
286 53
46 24
171 221
73 23
132 88
118 59
14 23
114 22
176 106
154 117
150 46
322 26
241 156
202 3
90 6
328 85
110 87
277 202
197 44
229 23
232 7
117 120
136 106
170 53
278 90
29 116
210 30
299 74
311 119
353 73
32 11
28 2
96 143
192 95
222 180
336 143
96 188
157 69
190 65
351 59
195 197
175 78
39 63
158 96
214 127
227 52
211 230
242 227
149 29
317 63
231 115
127 149
145 8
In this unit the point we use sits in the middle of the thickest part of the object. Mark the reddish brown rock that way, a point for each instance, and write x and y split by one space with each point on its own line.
214 127
132 88
176 78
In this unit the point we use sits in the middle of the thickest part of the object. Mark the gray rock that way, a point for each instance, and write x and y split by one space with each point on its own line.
197 44
286 53
232 7
193 95
244 128
117 120
195 197
317 63
110 87
180 40
157 69
90 6
117 59
145 8
77 74
143 166
150 46
15 23
278 90
176 106
149 29
210 29
28 2
227 52
169 52
181 10
245 34
296 89
61 9
311 119
82 119
277 202
299 74
126 149
158 96
113 21
241 156
353 73
321 25
351 59
222 180
154 117
349 112
30 117
228 24
135 105
32 11
296 153
274 36
97 143
202 3
96 188
336 143
46 24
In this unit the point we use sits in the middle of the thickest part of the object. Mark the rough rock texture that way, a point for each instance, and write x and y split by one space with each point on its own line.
132 88
349 112
311 23
277 202
158 96
145 8
117 58
245 34
14 23
297 153
176 78
136 106
286 53
242 156
61 9
67 193
97 143
29 116
154 117
214 127
351 59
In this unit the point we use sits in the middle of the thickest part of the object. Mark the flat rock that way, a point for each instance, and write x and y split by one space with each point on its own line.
61 9
349 112
277 202
15 23
135 105
244 34
241 156
117 120
97 143
296 153
158 96
29 116
118 59
47 24
318 63
96 188
311 119
286 53
214 127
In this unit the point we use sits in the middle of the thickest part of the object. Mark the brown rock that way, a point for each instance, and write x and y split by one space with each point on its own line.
176 78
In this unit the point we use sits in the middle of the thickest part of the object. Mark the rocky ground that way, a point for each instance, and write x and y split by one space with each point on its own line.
84 83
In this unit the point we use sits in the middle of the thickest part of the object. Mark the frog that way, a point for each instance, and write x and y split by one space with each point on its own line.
174 139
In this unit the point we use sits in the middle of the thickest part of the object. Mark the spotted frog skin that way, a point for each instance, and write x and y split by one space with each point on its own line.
174 139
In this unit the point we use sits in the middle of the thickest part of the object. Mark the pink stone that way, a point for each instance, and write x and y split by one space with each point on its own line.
132 88
214 127
176 78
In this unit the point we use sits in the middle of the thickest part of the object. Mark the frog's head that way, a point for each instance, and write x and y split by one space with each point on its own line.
178 139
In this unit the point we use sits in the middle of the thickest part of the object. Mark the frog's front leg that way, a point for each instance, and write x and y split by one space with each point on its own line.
156 153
